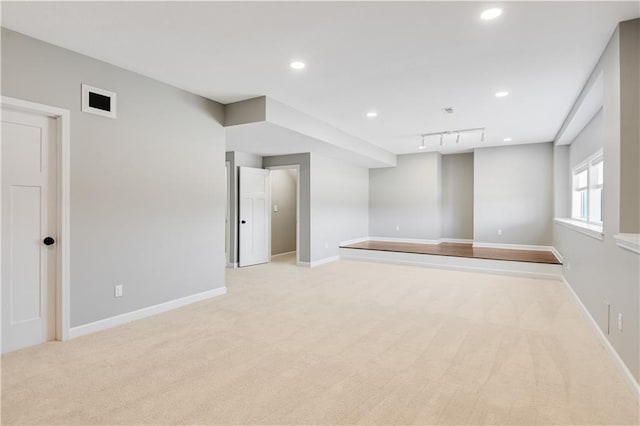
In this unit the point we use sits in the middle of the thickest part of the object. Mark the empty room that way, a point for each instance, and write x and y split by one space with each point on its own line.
328 213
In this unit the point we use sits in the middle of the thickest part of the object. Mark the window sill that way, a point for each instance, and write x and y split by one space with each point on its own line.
593 231
629 242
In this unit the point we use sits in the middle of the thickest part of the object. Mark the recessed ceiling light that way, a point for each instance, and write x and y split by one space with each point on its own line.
372 114
508 139
421 147
297 65
490 14
502 94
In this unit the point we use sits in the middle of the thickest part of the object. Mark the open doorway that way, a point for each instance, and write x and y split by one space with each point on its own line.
285 195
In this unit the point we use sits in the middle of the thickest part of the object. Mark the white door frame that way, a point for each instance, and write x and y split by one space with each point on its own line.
297 168
63 117
227 215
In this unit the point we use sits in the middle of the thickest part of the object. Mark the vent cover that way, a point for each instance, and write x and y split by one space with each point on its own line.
98 101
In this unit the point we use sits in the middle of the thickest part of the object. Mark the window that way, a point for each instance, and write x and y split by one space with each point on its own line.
588 186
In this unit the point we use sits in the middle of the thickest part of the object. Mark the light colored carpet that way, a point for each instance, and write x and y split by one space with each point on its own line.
343 343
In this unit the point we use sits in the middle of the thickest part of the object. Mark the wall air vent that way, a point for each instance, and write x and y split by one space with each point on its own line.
98 101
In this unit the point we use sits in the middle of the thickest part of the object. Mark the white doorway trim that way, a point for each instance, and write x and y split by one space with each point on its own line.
227 215
297 169
63 117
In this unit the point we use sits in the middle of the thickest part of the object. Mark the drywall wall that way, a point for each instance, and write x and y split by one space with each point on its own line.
630 126
513 193
587 142
304 215
237 159
283 210
561 181
404 201
600 272
339 205
147 189
457 196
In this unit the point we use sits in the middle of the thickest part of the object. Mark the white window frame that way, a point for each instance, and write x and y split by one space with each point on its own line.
588 165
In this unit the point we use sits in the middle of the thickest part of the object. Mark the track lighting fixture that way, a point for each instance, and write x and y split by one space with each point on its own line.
422 145
457 132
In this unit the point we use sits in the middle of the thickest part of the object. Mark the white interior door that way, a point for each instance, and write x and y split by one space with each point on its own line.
254 216
28 219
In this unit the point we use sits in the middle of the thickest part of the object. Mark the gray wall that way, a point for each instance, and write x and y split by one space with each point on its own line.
457 196
561 181
237 159
283 221
630 126
600 272
407 196
339 205
513 192
147 189
587 142
304 161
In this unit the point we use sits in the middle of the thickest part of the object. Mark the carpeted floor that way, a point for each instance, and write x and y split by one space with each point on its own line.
347 342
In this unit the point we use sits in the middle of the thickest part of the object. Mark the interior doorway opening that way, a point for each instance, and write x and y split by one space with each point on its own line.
284 212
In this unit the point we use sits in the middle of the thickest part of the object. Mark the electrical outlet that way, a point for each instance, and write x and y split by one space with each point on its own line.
499 231
568 266
619 321
275 208
326 244
397 227
118 290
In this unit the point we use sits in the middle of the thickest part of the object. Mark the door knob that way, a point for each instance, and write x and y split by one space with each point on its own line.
48 241
243 221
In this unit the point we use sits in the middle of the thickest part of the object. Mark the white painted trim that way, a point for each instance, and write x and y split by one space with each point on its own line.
323 261
282 254
297 168
63 119
354 241
581 227
303 264
490 266
456 240
125 318
629 242
404 240
557 254
619 363
227 213
232 265
513 246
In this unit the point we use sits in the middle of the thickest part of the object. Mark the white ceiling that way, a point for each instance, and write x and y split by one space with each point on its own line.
266 139
405 60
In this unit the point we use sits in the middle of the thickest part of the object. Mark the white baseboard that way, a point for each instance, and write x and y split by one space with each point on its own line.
619 363
283 254
354 241
106 323
404 240
490 266
325 260
318 262
456 240
557 254
513 246
232 265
